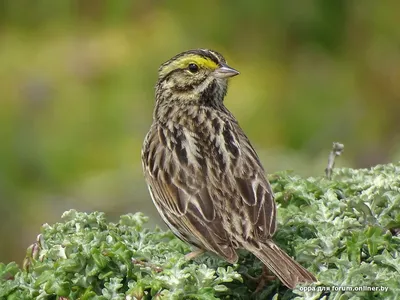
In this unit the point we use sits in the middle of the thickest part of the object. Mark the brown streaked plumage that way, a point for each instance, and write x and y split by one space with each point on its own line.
204 176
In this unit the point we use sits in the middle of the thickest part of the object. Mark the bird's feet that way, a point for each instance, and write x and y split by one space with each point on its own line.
261 280
194 254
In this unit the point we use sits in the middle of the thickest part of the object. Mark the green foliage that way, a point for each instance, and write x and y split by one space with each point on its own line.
346 227
344 230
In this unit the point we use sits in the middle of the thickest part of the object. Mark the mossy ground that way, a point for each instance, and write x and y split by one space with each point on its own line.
344 230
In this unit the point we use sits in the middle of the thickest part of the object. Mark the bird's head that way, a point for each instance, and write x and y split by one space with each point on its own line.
196 75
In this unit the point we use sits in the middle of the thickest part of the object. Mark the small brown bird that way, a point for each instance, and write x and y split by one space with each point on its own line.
203 174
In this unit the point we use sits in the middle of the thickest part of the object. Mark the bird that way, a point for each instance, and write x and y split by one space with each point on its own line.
203 175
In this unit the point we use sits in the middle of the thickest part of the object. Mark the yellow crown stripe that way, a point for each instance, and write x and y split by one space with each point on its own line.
183 62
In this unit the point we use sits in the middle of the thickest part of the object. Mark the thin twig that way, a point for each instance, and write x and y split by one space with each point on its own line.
337 149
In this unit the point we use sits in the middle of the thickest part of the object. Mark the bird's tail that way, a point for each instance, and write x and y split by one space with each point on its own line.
282 265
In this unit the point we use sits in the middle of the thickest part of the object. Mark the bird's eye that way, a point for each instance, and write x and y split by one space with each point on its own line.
193 67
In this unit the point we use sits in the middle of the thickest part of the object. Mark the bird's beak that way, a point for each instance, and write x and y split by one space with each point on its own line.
225 72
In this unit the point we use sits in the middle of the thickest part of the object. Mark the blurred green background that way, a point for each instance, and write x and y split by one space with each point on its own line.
77 83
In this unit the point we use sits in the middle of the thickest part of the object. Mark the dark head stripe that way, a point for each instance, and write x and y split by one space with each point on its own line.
213 55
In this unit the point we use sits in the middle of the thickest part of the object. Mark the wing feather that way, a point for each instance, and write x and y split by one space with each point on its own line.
254 188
